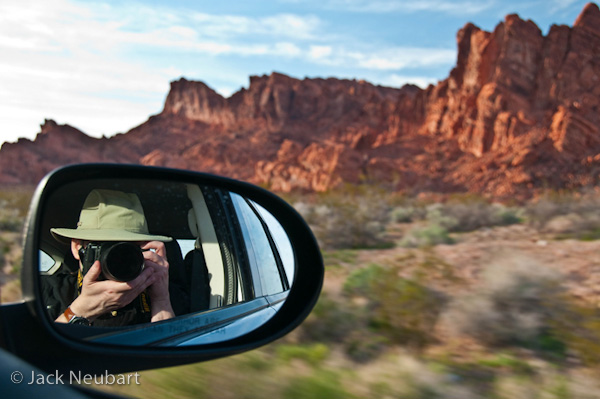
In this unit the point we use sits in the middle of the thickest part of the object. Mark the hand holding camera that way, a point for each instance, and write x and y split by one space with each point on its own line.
117 272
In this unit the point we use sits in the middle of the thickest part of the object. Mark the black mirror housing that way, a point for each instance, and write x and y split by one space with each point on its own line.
28 332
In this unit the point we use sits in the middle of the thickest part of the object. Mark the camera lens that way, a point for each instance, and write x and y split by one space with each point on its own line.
122 261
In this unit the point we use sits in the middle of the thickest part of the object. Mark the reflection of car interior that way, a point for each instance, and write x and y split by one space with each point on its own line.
225 251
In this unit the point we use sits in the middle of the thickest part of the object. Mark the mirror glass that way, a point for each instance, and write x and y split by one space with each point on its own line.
147 262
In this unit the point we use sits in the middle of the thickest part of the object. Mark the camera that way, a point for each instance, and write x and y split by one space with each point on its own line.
120 261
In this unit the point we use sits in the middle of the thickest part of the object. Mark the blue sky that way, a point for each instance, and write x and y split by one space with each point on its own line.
105 66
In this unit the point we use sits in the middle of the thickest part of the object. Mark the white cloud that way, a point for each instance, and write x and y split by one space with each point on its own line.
231 26
287 49
396 58
319 52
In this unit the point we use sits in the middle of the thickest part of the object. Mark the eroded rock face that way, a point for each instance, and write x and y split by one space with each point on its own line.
519 112
27 161
515 82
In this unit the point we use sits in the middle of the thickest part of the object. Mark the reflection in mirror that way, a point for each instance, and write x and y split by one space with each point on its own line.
146 262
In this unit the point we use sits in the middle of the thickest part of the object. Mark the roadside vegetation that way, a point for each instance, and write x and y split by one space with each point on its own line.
14 203
459 297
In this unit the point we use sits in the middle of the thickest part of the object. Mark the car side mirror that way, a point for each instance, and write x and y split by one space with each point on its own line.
244 269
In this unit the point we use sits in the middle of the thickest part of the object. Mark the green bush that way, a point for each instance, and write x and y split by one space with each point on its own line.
313 354
322 384
578 326
402 309
428 236
361 281
506 362
405 310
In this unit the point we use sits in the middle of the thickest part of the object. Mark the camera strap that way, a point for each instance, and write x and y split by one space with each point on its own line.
144 302
79 281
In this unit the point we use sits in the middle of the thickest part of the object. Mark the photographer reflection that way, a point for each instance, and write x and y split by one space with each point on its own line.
123 274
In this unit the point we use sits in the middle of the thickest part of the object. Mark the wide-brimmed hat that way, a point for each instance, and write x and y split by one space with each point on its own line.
109 215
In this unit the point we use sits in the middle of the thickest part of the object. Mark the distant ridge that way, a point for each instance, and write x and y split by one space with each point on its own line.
519 113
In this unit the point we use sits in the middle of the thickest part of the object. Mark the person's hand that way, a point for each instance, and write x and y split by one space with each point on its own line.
100 297
155 255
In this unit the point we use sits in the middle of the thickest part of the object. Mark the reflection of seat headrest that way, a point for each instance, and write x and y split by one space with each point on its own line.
199 279
193 222
178 281
174 254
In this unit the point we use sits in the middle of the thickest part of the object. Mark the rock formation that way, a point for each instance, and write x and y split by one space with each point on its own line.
517 114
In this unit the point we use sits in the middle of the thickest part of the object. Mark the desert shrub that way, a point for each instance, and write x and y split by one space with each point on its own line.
573 215
513 304
408 213
472 215
10 219
427 236
330 321
347 324
355 217
519 302
14 204
578 326
406 310
360 282
17 197
363 345
402 309
432 267
445 218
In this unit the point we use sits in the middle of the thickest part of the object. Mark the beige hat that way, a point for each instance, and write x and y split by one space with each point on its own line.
109 215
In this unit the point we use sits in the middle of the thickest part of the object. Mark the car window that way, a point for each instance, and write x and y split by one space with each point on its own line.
282 241
46 262
265 270
186 245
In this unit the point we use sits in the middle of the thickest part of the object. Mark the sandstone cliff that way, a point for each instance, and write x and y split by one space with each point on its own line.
518 113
